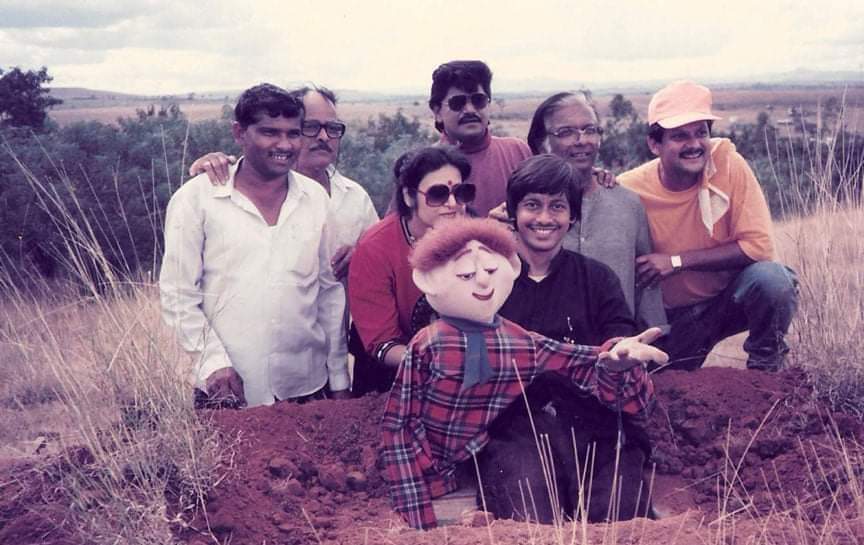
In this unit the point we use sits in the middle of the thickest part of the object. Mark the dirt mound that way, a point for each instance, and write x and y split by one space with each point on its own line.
728 439
298 473
748 440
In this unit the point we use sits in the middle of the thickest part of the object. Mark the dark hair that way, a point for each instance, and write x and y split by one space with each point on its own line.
323 91
269 99
412 166
537 131
549 175
656 132
463 75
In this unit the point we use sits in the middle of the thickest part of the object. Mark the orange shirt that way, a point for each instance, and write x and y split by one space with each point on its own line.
732 208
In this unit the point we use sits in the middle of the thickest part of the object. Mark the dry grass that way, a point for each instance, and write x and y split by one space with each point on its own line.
88 363
91 364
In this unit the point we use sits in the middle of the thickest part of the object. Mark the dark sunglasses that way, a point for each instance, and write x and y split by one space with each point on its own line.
334 129
478 100
439 194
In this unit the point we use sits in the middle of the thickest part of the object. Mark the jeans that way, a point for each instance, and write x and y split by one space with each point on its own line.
762 298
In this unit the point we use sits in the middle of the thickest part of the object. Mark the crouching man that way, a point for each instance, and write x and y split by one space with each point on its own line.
713 237
463 370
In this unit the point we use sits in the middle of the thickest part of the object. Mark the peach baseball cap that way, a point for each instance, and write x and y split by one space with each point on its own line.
680 103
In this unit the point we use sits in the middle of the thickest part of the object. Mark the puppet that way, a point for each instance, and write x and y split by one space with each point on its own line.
464 369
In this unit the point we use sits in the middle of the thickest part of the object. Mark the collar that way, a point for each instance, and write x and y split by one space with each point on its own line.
225 191
337 180
466 148
713 202
554 265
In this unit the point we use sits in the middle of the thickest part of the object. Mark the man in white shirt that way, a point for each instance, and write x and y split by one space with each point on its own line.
351 209
246 280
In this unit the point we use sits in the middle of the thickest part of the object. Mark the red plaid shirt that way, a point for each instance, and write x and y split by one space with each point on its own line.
430 425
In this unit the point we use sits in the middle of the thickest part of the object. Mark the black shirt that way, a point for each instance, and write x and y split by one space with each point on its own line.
580 301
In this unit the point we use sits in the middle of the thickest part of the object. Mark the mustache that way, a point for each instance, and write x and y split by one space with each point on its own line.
469 118
322 146
700 151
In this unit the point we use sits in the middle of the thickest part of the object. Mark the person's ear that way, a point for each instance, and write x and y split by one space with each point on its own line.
423 281
237 131
408 198
653 145
436 112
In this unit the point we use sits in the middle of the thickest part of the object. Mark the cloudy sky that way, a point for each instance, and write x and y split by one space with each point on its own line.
177 46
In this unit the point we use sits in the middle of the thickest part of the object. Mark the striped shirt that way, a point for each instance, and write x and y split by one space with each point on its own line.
430 424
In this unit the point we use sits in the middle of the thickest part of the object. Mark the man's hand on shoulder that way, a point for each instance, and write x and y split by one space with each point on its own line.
216 165
632 351
605 178
500 213
224 386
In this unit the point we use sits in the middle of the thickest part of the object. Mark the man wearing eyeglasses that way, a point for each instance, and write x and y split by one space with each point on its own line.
459 99
246 281
351 209
713 238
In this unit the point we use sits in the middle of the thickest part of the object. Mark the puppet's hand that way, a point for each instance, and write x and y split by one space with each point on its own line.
632 351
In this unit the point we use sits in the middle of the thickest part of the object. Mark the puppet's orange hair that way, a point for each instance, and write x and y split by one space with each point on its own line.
440 244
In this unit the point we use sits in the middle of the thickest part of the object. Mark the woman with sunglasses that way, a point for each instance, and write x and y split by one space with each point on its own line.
386 306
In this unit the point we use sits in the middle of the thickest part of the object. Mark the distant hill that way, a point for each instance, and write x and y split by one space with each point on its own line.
504 87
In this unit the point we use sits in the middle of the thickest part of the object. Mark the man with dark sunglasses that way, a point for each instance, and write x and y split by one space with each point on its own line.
459 99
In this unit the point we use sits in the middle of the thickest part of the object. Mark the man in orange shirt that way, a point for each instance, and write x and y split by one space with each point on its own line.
712 234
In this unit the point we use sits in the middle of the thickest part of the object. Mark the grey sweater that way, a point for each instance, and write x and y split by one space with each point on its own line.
614 231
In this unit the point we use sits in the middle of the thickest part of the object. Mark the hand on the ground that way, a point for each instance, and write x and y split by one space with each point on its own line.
224 386
605 177
500 213
652 268
341 394
340 261
216 166
632 351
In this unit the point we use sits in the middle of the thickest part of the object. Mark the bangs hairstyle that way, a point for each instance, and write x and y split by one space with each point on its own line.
440 244
414 165
546 174
266 99
537 134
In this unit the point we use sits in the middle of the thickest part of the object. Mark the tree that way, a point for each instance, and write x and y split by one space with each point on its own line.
24 100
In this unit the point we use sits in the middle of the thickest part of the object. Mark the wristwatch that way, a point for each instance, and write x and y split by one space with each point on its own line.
676 263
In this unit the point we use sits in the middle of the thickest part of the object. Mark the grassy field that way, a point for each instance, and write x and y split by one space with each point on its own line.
510 116
91 364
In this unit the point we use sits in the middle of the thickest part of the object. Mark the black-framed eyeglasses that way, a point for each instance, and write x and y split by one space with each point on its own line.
334 129
439 194
478 100
591 131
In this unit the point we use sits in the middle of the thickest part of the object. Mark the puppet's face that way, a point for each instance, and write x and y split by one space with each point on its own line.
473 285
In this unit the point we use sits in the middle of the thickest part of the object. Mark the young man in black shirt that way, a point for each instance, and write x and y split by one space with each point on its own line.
559 294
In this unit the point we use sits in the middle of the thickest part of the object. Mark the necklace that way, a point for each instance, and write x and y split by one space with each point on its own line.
412 240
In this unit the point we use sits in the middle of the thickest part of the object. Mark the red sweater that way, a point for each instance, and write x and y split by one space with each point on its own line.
492 162
381 292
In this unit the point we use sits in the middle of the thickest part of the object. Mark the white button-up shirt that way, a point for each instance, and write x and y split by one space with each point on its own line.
351 211
259 298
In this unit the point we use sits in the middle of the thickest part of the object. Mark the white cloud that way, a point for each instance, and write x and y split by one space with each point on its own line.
162 46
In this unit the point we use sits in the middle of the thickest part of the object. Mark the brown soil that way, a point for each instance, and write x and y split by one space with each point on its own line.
727 441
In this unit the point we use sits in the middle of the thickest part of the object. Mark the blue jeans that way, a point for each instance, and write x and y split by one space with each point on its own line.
762 298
